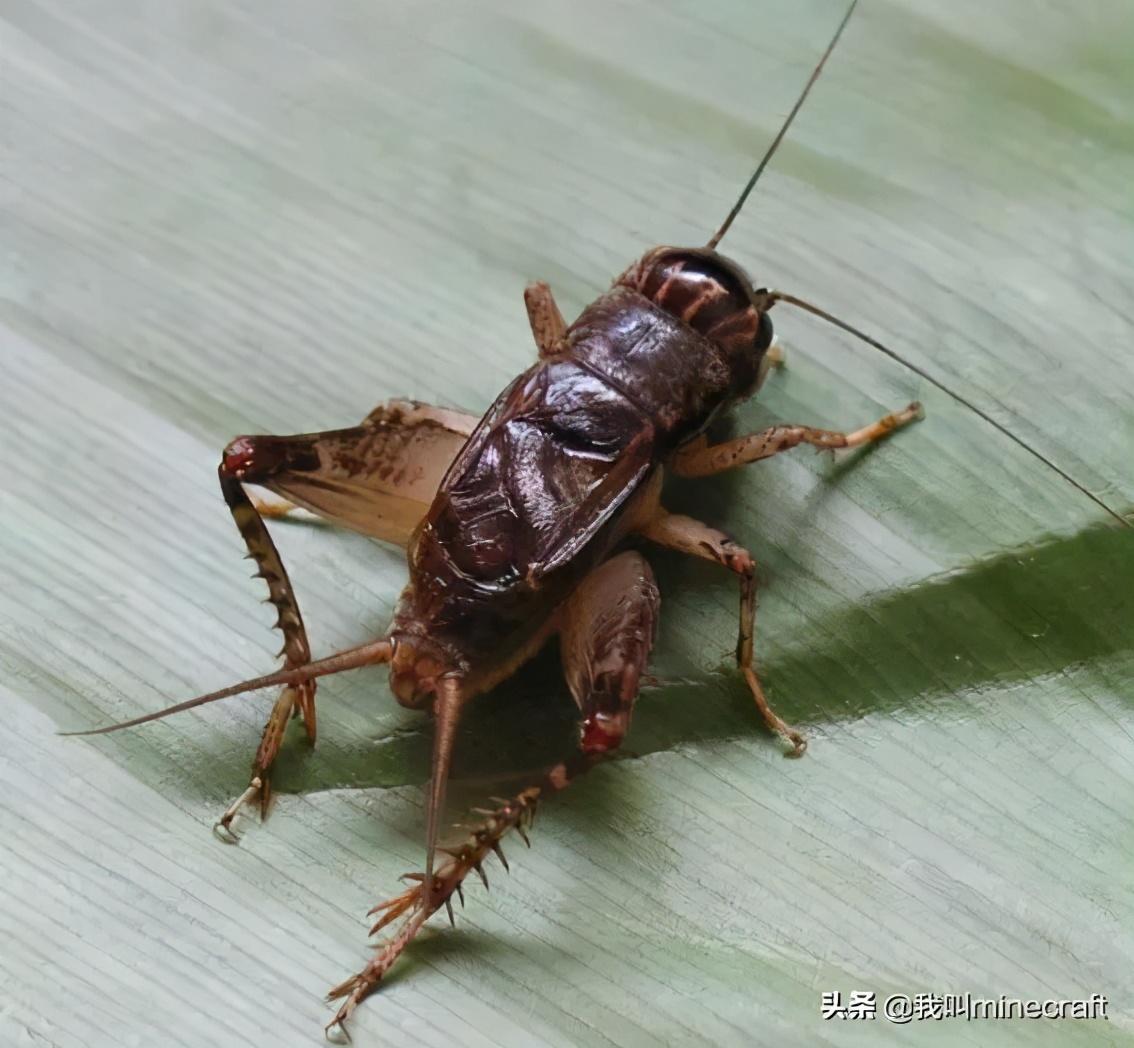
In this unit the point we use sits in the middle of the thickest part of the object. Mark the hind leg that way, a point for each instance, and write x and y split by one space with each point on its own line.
378 478
296 650
607 628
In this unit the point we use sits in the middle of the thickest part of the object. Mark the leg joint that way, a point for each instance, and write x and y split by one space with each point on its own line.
252 459
731 555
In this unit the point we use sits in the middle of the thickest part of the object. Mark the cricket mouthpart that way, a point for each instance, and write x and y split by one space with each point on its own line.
415 674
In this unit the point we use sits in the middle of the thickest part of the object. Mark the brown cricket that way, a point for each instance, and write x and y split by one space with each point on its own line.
513 525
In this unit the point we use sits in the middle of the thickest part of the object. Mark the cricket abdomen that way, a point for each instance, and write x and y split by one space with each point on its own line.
530 504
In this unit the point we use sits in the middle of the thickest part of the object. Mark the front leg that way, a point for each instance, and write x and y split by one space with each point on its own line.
548 326
690 536
700 459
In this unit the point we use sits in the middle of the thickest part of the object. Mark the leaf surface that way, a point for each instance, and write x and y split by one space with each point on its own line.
224 218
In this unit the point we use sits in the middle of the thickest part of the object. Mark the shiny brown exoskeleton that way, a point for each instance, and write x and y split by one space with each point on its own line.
537 497
514 525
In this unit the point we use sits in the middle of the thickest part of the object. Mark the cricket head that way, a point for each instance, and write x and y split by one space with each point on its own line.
714 296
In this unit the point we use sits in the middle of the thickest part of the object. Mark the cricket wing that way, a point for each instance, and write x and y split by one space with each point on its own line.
377 478
550 464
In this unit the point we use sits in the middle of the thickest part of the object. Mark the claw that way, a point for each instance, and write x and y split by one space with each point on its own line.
336 1032
500 855
224 833
798 744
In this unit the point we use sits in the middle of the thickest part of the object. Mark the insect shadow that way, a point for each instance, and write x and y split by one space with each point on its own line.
1019 615
514 524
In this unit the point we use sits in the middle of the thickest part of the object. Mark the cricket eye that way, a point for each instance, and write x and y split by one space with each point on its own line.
764 334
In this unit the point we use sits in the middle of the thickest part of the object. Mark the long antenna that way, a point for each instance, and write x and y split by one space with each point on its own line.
793 300
719 234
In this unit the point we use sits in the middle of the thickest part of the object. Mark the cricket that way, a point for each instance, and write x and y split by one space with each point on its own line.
515 526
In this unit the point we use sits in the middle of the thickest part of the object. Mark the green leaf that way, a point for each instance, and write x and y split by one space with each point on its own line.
232 218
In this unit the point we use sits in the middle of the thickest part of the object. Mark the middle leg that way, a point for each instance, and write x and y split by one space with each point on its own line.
701 459
687 535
